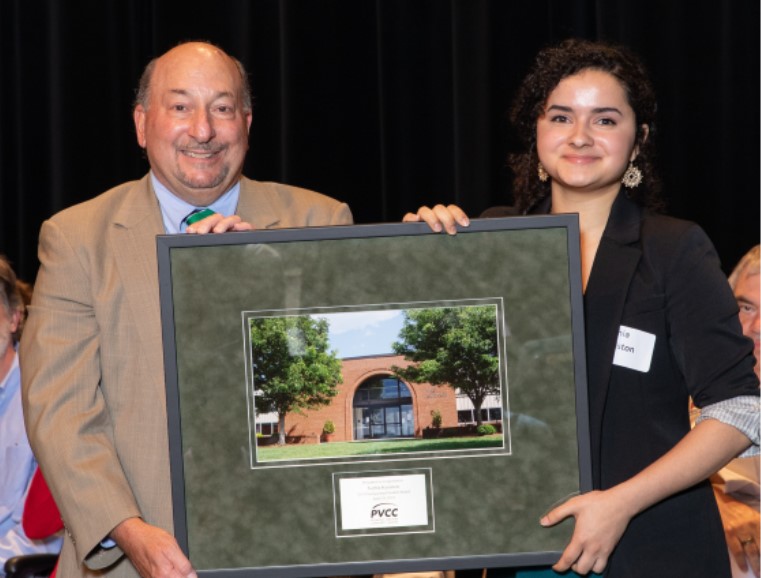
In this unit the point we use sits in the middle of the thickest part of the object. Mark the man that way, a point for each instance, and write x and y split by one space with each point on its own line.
17 464
94 394
737 485
746 286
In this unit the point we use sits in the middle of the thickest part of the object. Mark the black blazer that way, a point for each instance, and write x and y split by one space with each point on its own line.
659 275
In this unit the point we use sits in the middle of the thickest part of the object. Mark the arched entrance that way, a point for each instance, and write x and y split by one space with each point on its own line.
383 409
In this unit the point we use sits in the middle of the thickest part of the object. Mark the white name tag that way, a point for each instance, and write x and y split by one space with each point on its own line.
634 349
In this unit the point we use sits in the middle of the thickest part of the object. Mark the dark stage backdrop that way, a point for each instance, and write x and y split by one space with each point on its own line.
384 104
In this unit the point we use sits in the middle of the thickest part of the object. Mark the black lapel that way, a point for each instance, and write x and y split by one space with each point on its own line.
615 263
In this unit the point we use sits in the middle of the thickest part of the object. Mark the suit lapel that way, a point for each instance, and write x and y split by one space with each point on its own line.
133 235
615 263
254 205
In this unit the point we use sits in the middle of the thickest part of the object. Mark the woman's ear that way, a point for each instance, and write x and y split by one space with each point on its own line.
644 133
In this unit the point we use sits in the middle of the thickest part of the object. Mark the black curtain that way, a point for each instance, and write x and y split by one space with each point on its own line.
385 104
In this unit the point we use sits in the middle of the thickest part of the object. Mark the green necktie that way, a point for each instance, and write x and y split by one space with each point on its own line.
196 215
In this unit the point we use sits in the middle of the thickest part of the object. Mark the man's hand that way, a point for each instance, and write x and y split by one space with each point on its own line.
439 218
741 527
217 223
154 552
601 519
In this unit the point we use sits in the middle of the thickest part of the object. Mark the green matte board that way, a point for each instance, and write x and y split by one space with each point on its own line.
238 516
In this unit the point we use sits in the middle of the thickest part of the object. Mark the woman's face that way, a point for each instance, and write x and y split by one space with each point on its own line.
585 138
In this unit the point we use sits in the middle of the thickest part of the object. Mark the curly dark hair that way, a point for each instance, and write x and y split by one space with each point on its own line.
551 66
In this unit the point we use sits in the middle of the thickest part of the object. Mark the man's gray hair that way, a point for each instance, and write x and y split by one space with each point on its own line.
749 265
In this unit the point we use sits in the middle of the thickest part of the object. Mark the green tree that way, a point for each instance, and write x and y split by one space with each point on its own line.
452 346
292 366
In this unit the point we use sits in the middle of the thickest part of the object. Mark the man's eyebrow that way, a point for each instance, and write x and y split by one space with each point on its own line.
224 94
744 300
183 92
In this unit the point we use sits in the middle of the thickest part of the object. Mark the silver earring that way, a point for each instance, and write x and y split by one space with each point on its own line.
543 176
632 177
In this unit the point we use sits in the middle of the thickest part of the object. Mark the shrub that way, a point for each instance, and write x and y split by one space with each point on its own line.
486 429
436 418
329 427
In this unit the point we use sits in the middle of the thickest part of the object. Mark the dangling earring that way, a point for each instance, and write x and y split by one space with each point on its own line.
543 176
632 177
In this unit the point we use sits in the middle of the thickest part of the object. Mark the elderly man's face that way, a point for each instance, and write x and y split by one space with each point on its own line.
195 128
747 295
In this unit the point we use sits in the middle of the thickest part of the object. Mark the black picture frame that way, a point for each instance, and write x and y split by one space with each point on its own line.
236 519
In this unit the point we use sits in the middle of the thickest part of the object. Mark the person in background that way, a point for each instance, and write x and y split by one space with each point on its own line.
737 485
17 463
585 114
92 364
25 291
744 281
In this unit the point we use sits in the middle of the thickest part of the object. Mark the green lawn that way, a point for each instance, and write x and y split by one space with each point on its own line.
341 449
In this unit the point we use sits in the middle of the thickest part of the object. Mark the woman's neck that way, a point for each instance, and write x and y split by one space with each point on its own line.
593 210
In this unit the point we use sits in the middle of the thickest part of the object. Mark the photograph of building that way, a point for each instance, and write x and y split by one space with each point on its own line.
373 403
373 374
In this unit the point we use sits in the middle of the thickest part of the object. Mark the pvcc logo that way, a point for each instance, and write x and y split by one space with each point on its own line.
384 511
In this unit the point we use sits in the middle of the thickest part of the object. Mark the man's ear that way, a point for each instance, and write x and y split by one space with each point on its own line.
138 115
15 320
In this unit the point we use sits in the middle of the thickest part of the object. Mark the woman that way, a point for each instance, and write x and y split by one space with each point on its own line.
586 115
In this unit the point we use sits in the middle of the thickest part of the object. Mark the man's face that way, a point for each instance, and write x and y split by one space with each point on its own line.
747 295
195 128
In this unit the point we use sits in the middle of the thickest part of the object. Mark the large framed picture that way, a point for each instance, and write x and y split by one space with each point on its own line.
378 398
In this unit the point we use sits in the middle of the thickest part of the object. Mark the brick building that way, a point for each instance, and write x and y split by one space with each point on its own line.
372 403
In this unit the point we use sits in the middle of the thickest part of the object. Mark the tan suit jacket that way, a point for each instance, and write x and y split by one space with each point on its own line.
92 360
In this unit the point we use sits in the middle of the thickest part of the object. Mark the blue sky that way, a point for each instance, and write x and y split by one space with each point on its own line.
357 333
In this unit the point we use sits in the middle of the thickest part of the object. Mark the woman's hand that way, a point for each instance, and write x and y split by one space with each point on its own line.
440 218
601 518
